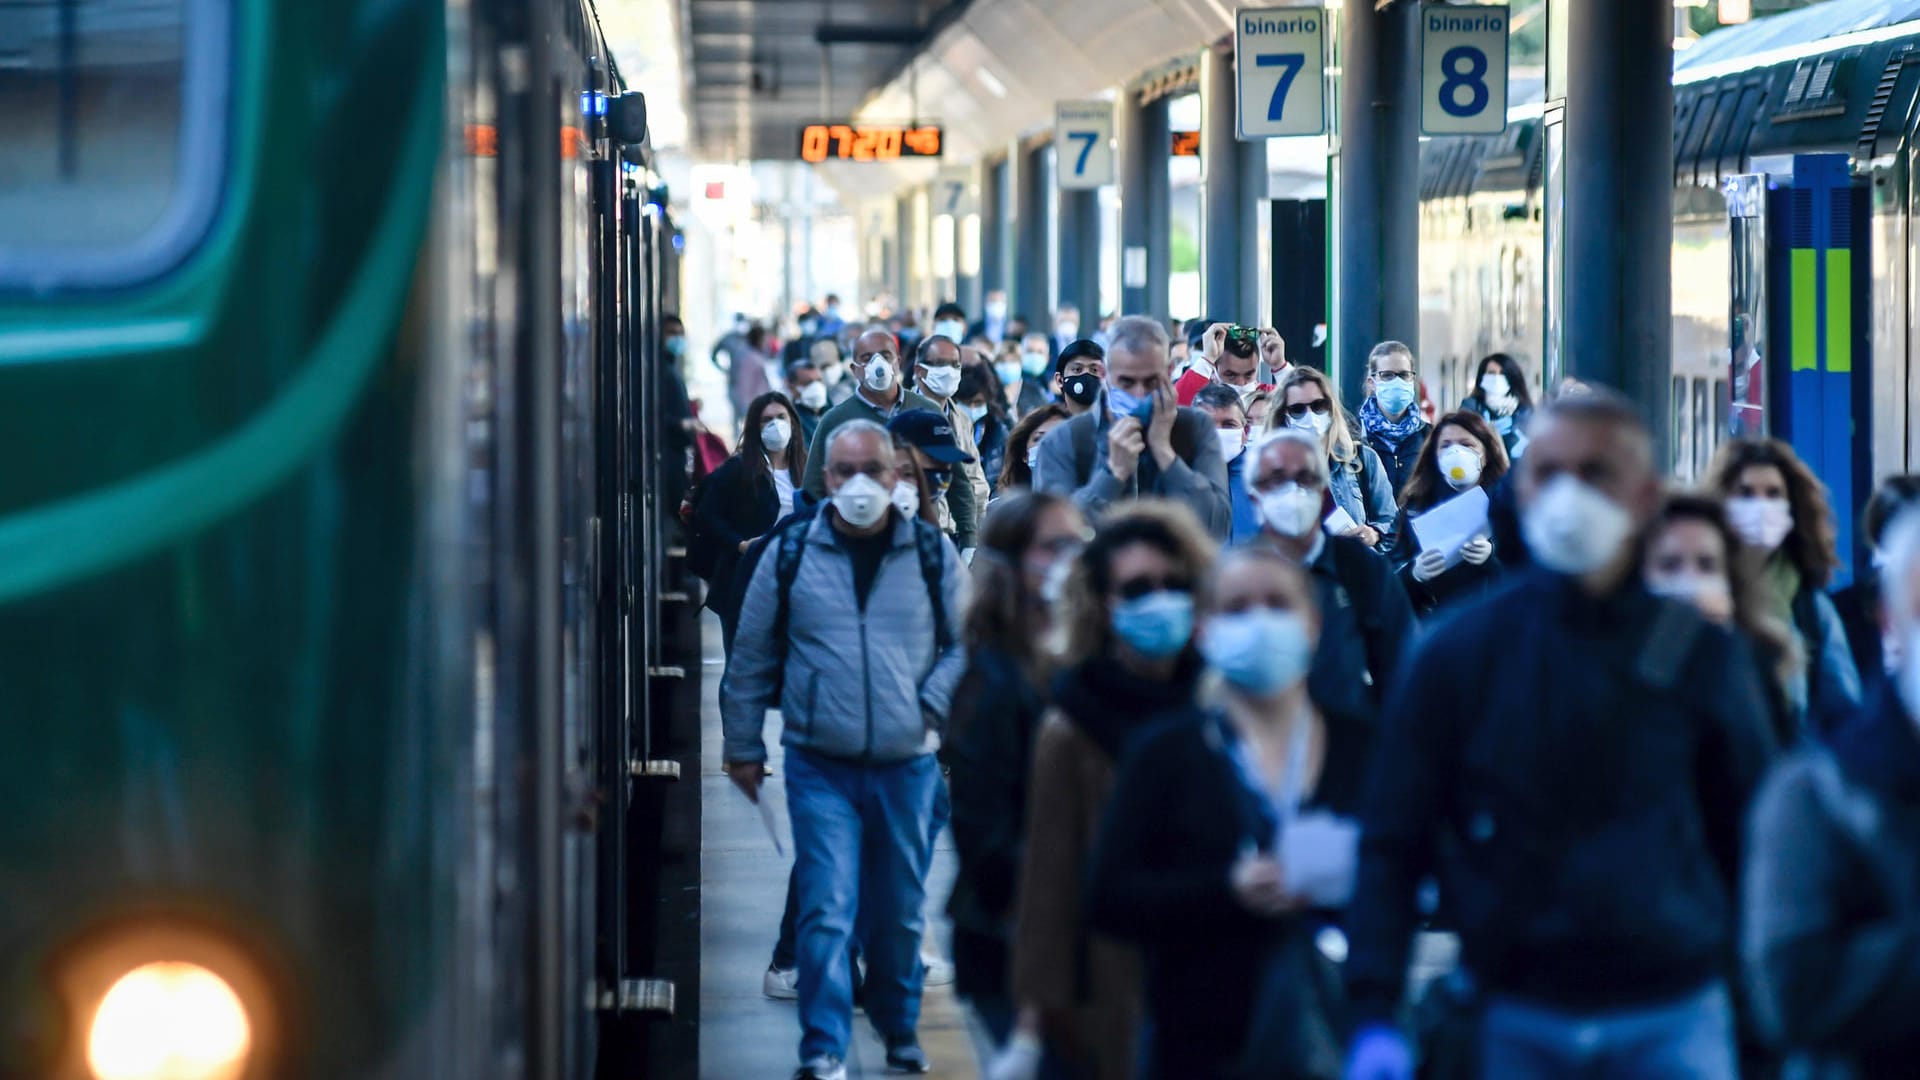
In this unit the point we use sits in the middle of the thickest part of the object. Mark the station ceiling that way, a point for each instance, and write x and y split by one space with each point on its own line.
758 70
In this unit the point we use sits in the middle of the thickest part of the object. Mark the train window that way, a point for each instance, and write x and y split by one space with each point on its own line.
112 113
1702 433
1681 430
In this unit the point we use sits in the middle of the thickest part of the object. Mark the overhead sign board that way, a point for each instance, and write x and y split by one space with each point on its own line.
1083 144
1463 65
953 192
1186 144
1279 60
868 142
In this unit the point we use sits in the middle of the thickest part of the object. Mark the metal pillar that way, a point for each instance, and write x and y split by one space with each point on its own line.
1379 196
1079 254
1145 145
1221 240
903 251
1619 308
993 227
1030 291
1251 210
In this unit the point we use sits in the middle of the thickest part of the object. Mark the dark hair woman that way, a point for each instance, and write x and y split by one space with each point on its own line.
1691 553
1461 453
1501 397
1023 445
1025 545
913 493
1127 620
983 400
1203 860
747 495
1779 510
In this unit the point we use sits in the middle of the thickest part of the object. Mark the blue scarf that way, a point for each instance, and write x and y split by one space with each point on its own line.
1375 423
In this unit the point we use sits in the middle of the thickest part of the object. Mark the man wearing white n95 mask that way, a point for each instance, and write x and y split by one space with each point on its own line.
880 394
850 628
1366 617
1591 750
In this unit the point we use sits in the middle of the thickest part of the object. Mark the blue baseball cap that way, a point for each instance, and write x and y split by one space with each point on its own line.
930 433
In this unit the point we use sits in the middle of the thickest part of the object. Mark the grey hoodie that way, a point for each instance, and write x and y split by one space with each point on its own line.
859 685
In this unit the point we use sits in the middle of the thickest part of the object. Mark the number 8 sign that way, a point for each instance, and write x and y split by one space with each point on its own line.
1463 63
1279 65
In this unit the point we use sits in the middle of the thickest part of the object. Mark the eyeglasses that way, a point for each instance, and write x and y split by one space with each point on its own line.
1135 588
1404 376
1300 409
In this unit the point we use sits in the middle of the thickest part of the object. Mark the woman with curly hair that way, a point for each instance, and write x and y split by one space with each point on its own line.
1779 510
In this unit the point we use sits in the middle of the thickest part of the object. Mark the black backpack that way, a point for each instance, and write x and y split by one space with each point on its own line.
791 535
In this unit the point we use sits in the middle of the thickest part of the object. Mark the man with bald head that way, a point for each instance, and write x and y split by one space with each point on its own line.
877 396
1588 752
850 627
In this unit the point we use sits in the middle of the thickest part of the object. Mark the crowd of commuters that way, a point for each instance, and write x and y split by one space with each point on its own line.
1233 696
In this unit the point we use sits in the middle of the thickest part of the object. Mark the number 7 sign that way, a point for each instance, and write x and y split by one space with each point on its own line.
1279 72
1083 144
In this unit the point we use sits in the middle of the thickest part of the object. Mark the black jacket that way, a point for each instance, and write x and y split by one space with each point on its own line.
1576 769
1366 624
1462 579
996 711
1179 817
1399 458
735 504
1833 897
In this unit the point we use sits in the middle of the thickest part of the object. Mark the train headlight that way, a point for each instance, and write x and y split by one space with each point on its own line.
169 1020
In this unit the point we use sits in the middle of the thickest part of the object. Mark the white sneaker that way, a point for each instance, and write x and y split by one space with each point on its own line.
938 972
781 984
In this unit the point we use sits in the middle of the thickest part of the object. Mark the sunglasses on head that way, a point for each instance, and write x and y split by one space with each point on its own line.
1302 408
1135 588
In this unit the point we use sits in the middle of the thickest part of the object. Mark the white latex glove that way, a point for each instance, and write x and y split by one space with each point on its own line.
1429 565
1478 550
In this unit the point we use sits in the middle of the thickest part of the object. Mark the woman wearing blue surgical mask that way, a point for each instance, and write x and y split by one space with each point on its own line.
981 401
1128 663
1306 400
1499 395
1022 458
1461 453
1229 845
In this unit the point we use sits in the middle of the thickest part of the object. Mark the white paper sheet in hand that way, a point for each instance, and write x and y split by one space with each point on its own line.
1447 527
1319 856
1339 521
765 806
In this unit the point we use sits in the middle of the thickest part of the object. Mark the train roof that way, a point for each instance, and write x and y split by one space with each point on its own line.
1753 42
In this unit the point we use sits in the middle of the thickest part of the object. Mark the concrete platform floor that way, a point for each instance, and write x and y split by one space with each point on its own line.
742 889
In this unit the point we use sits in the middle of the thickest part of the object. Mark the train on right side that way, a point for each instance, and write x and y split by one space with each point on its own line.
1795 201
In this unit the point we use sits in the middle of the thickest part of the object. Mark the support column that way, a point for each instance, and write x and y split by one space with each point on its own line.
1079 254
1145 145
993 227
1030 292
1379 191
903 251
1220 196
1619 307
1251 223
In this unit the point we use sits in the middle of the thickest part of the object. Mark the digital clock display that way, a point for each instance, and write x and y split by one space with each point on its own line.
867 142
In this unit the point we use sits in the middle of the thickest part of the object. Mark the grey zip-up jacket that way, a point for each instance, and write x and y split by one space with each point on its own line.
1073 462
864 686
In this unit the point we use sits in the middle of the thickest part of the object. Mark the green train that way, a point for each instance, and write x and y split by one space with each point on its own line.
339 621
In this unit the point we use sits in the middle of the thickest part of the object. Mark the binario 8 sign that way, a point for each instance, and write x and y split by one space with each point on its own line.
1463 70
1279 60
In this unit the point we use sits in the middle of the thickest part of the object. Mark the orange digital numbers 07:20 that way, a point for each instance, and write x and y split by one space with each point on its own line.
867 142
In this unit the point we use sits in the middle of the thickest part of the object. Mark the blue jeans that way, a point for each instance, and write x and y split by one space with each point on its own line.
861 850
1688 1039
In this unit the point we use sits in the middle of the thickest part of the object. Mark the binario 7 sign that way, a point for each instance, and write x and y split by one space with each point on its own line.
1279 60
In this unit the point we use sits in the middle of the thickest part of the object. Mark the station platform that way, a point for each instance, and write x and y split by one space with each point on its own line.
743 1033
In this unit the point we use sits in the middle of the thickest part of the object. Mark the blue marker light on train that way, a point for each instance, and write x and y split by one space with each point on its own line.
679 241
593 103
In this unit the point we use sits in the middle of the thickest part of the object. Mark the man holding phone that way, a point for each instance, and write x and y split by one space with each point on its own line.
1141 442
1230 356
